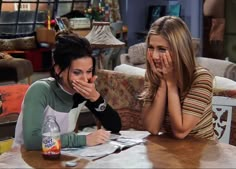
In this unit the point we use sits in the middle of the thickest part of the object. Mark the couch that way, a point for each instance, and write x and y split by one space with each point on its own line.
122 87
121 90
222 68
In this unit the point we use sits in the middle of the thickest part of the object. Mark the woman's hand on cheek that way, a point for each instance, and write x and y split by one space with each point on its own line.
168 66
155 69
86 89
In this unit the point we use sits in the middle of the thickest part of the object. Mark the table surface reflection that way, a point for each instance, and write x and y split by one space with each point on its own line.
166 152
157 152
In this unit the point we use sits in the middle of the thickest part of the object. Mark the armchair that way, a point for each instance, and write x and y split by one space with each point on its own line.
14 69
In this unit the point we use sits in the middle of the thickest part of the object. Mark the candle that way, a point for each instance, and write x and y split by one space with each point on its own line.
49 20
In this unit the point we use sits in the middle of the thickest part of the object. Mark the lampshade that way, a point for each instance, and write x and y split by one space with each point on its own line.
101 36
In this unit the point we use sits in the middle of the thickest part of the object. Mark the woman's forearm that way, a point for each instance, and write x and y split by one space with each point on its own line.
179 128
154 114
174 107
108 117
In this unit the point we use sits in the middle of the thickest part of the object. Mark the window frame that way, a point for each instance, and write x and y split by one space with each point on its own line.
53 5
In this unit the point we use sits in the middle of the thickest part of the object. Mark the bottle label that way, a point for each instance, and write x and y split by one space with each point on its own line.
51 145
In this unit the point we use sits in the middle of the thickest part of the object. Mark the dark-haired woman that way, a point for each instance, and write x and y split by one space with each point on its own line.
64 94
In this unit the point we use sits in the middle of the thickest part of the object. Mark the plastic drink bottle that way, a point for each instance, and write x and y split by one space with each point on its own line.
51 143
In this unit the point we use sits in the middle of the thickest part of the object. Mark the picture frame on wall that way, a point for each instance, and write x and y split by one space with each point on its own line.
154 12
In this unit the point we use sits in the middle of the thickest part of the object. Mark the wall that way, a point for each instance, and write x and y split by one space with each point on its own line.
134 15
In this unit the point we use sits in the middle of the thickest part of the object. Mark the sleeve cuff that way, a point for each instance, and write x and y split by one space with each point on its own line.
99 101
73 140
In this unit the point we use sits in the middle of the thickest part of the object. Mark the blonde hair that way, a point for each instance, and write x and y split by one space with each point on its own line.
176 33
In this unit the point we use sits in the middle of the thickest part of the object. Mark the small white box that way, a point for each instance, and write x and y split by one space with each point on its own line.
80 23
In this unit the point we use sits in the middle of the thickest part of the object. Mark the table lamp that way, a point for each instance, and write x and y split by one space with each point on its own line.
101 37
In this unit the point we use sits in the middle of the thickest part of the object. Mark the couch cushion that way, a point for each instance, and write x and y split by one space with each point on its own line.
22 43
221 83
121 91
219 67
128 69
137 53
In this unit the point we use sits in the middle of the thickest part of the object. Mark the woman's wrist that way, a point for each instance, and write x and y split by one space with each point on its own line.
96 97
162 83
170 84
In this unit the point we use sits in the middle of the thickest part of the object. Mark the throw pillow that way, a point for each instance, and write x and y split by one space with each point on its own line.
12 97
25 43
221 83
224 87
6 44
131 70
21 43
137 53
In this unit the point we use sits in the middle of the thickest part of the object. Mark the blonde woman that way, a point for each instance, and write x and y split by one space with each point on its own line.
178 92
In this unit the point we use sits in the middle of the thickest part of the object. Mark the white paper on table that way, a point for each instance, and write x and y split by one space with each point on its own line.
124 133
99 150
71 151
92 152
134 134
126 139
114 136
